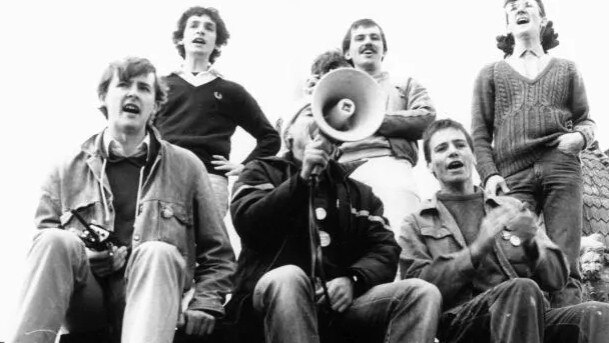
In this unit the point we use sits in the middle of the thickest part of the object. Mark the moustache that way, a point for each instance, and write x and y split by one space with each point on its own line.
368 47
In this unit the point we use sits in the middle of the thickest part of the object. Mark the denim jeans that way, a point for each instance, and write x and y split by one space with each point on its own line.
402 311
219 184
515 311
60 289
553 187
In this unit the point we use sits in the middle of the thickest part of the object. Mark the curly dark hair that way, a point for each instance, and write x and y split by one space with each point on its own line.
365 23
126 69
222 34
549 38
439 125
328 61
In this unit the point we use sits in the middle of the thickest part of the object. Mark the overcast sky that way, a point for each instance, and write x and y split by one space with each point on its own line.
55 51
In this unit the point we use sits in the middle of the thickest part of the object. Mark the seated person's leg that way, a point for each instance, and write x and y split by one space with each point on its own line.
510 312
58 285
155 282
401 311
285 298
586 322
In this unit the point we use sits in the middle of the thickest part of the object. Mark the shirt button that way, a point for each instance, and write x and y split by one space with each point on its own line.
136 237
320 213
167 213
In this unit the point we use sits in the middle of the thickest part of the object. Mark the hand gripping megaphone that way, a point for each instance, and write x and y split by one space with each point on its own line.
348 105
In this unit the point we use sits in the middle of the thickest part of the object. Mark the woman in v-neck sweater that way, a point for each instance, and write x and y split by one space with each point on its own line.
529 122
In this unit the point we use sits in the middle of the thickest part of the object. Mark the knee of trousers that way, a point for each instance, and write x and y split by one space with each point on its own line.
283 283
419 290
156 251
58 240
522 289
595 310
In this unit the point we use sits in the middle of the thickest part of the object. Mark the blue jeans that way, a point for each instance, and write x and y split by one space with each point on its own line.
402 311
515 311
553 186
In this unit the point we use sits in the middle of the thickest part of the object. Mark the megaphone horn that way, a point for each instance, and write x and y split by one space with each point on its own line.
347 105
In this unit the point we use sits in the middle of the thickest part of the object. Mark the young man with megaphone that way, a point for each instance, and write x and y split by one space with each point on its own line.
280 296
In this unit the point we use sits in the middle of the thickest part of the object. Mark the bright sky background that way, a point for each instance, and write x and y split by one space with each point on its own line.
54 53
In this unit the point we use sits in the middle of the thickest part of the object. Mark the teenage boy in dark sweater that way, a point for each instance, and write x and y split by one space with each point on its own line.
203 109
529 122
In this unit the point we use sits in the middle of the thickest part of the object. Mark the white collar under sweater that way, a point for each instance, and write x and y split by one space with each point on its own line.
201 78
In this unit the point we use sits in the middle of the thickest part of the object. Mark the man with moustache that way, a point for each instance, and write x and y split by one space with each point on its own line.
203 109
489 259
165 234
385 160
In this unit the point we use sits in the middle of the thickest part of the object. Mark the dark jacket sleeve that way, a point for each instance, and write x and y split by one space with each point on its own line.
215 256
379 262
410 122
483 117
261 207
252 119
450 272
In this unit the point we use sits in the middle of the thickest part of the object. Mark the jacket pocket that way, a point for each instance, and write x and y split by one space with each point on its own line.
439 240
175 226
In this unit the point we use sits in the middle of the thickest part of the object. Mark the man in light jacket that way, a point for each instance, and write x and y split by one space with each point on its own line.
125 226
489 259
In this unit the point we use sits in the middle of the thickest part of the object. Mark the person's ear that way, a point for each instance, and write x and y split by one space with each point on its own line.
347 55
289 142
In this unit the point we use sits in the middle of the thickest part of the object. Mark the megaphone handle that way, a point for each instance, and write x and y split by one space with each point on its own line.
316 171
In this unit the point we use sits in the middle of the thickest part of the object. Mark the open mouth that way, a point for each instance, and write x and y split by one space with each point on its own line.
198 41
522 20
454 165
131 108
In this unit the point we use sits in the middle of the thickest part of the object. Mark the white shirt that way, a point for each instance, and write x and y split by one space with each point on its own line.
528 62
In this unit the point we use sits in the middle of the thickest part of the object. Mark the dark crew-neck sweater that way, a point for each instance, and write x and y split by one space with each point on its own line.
515 118
202 119
124 175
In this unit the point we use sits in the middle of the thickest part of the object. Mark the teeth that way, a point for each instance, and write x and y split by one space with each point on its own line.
131 108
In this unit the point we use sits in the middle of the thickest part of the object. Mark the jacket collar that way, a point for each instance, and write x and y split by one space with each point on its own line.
436 208
94 145
432 204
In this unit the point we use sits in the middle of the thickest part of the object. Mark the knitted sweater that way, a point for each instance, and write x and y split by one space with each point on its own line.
515 118
202 119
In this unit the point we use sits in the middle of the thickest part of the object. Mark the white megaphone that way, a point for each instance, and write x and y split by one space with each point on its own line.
348 105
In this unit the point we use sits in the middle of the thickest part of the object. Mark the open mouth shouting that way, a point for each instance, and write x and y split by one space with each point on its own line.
522 19
455 165
131 108
199 40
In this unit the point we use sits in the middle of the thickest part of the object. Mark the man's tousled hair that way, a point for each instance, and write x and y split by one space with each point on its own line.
222 34
126 69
